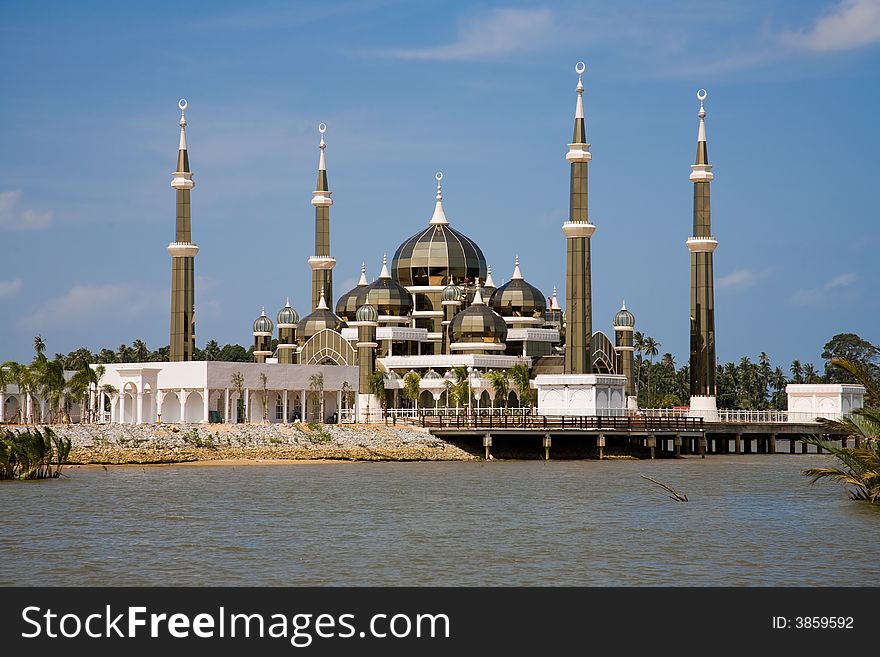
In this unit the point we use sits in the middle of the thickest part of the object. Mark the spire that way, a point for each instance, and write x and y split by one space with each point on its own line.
554 300
384 273
580 130
623 305
489 282
182 156
263 311
287 303
517 274
579 149
182 175
363 280
439 217
478 298
321 195
322 304
701 169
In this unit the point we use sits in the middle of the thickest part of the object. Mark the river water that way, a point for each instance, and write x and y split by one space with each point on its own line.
751 520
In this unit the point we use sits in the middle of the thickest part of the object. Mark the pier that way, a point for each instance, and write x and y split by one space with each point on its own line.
655 435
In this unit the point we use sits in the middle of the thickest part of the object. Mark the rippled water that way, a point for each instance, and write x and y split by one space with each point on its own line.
751 520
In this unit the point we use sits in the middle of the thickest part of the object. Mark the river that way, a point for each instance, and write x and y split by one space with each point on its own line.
751 520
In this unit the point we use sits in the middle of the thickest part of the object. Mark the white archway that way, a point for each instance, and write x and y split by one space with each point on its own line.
194 409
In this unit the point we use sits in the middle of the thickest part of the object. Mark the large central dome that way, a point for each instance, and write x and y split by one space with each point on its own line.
438 255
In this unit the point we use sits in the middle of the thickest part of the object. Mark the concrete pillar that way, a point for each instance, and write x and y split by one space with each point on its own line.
305 408
819 450
284 405
206 405
858 442
600 445
651 442
339 404
803 447
677 442
738 443
247 404
546 443
791 445
772 444
487 443
113 409
702 446
226 410
182 394
139 410
2 406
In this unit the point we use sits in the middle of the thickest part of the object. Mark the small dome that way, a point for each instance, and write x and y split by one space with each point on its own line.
263 324
451 293
431 374
518 298
322 318
479 323
388 296
348 303
624 318
287 315
367 313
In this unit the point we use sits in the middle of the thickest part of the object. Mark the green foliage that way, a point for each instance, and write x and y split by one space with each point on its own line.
317 434
32 454
521 375
411 387
377 387
500 386
849 347
859 468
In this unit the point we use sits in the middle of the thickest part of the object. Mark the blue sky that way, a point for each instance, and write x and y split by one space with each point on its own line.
484 92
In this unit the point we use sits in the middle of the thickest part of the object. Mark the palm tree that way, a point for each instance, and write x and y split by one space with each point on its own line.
500 386
810 374
411 387
40 347
860 470
650 347
797 372
638 349
316 385
237 382
461 391
377 389
521 377
264 382
24 377
139 351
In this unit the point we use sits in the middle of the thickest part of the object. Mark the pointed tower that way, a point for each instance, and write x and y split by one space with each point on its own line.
183 251
701 246
624 325
578 230
322 263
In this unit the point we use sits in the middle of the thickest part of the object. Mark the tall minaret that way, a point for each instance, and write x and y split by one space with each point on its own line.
578 230
183 252
322 262
701 245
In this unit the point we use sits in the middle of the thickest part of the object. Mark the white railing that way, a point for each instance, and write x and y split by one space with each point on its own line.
741 416
458 410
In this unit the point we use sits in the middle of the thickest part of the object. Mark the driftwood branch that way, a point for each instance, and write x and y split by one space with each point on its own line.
678 497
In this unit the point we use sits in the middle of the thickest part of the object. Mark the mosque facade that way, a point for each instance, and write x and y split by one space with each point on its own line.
432 310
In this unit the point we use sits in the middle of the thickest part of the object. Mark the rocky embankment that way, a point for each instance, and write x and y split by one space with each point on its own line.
172 443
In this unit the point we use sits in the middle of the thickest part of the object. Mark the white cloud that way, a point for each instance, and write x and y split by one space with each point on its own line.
738 280
498 32
9 289
822 294
83 305
849 25
13 217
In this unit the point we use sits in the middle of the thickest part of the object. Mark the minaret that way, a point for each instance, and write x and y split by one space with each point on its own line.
701 245
287 320
262 337
322 262
578 230
368 319
183 251
624 325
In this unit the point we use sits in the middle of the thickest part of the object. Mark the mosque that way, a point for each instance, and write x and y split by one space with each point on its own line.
433 308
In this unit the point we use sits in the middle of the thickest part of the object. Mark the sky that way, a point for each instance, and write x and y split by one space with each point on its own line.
484 92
